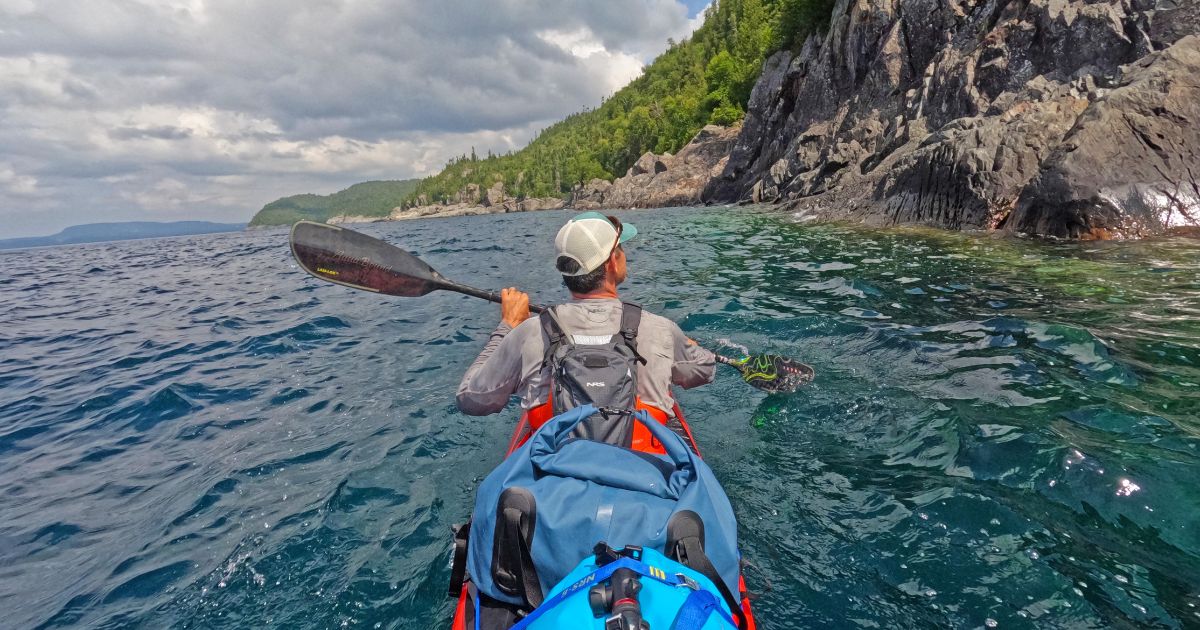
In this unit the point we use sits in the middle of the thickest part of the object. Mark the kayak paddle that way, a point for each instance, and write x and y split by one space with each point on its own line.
771 372
355 260
363 262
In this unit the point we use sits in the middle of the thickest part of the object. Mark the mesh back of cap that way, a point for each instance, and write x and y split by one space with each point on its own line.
579 242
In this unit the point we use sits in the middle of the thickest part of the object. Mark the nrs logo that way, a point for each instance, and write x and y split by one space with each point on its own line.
595 385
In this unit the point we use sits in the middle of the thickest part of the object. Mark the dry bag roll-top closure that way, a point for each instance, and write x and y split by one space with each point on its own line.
603 375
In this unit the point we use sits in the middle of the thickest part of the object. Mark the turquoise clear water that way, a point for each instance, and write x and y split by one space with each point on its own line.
1002 433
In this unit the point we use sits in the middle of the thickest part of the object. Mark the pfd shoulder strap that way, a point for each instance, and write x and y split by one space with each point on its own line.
551 326
554 333
631 318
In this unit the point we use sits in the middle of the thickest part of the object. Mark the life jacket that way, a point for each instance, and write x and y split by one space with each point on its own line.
602 374
540 514
643 441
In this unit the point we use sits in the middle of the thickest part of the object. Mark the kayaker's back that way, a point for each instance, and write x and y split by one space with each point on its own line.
671 358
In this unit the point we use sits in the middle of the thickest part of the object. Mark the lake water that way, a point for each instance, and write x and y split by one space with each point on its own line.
1002 433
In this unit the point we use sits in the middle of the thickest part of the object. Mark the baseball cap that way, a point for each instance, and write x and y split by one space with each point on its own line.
588 240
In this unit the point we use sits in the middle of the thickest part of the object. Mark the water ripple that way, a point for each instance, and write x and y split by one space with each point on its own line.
193 433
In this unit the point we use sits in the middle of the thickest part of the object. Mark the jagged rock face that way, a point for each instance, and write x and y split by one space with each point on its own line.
1061 117
591 195
1131 164
469 194
649 164
660 181
535 205
494 195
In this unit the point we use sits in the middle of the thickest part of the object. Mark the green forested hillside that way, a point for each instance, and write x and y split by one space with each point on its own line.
371 199
706 79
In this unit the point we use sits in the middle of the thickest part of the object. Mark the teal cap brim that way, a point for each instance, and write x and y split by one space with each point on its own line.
628 230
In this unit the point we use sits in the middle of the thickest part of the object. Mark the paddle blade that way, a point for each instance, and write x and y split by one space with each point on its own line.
773 373
356 260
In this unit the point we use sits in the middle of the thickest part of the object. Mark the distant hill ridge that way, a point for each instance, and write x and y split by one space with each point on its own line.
100 232
368 199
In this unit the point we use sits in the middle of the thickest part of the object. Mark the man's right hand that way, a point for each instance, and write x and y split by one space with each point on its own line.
514 306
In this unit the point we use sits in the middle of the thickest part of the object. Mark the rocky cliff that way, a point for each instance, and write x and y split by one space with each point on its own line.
1070 118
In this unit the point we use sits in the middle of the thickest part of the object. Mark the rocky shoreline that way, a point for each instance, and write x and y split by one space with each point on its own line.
655 181
458 209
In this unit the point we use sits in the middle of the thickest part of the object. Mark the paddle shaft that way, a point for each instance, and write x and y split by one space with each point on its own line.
487 295
490 296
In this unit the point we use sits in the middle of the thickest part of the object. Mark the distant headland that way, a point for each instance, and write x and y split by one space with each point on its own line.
101 232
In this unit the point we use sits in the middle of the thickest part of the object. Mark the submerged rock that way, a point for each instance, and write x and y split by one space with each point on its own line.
1068 118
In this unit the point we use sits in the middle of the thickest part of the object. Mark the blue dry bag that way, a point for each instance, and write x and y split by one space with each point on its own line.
542 511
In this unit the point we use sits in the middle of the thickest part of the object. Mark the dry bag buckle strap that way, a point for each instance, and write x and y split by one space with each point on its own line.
609 412
458 567
687 581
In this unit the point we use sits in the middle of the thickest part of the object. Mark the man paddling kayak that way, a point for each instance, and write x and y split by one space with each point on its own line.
589 254
605 358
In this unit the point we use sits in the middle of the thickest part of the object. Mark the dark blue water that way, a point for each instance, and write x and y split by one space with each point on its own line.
195 434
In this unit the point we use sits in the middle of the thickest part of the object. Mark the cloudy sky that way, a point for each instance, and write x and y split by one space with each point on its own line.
116 110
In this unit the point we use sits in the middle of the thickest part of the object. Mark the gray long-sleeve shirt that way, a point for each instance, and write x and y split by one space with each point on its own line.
511 362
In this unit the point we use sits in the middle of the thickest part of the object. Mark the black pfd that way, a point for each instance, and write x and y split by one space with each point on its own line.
604 375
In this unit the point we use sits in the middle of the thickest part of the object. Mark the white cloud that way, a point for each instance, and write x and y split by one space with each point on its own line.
580 42
690 27
16 7
15 184
166 194
215 107
613 69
